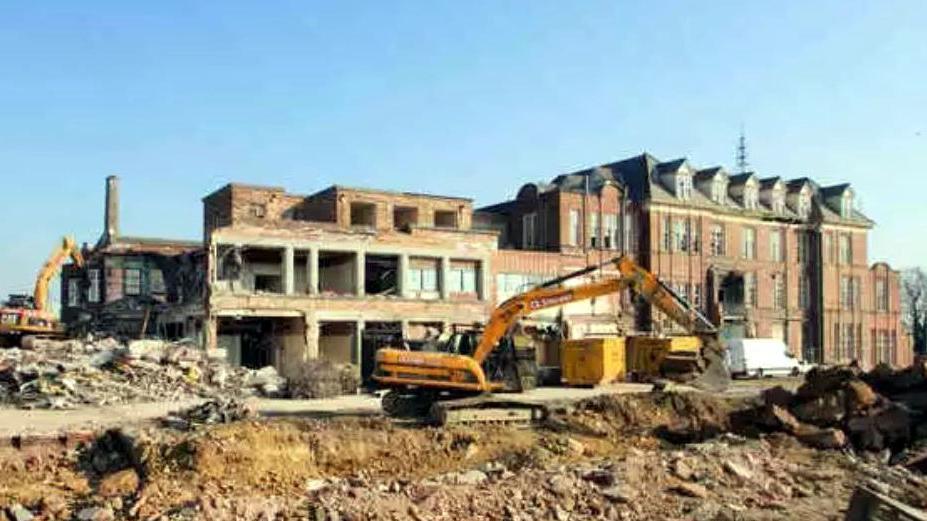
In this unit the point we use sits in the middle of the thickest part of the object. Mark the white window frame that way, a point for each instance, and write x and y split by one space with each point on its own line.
846 205
93 291
779 291
667 233
129 287
529 230
610 233
573 233
718 247
804 206
748 247
594 230
750 289
804 291
775 245
684 187
881 295
73 292
680 235
751 197
845 248
719 191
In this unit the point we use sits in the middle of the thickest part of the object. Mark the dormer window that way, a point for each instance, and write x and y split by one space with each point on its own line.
804 206
719 191
684 187
846 205
751 197
778 204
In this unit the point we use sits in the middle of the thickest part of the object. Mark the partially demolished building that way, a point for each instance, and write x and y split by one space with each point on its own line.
281 278
135 286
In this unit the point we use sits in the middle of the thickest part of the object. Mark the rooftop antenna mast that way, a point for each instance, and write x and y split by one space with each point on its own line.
742 163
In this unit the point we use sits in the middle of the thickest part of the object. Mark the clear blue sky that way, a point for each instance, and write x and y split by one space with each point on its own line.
464 98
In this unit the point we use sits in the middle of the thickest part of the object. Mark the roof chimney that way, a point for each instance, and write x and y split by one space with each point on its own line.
111 214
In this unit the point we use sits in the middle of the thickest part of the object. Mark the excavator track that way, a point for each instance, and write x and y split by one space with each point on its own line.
485 409
443 411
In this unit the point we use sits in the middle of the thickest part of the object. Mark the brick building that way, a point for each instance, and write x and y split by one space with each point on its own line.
280 278
765 257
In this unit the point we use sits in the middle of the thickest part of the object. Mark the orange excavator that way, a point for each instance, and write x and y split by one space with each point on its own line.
452 382
23 315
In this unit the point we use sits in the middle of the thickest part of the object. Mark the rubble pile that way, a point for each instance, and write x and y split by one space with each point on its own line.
728 477
212 412
61 374
601 459
881 411
323 379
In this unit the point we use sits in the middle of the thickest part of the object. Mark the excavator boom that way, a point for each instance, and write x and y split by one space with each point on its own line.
20 317
67 248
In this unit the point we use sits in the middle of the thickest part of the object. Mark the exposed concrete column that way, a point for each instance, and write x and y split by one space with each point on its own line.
359 280
312 338
211 333
358 346
404 328
402 275
445 276
312 271
287 270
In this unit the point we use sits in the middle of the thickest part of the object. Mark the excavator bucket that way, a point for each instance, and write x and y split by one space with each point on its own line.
714 375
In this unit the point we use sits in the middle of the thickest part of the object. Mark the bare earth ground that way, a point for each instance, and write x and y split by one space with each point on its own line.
600 459
605 457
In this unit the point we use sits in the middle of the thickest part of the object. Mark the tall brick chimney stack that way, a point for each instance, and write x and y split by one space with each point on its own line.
111 214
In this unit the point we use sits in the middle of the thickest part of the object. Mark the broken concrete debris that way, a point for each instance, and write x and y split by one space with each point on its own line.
62 374
323 379
843 406
212 412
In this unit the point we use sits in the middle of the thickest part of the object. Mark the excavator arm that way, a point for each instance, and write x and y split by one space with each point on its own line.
67 248
448 371
550 294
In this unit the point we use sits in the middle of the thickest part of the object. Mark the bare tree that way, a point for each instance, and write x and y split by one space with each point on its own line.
914 303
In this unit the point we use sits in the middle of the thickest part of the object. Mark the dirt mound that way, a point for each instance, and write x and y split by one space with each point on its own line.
680 417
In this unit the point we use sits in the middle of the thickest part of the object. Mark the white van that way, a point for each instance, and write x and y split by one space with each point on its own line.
758 357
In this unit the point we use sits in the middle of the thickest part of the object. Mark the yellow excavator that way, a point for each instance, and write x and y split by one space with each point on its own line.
452 382
23 315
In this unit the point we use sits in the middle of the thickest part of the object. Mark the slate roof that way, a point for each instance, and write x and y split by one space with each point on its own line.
640 175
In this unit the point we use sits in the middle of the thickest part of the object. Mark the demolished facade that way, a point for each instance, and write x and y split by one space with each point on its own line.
340 273
135 286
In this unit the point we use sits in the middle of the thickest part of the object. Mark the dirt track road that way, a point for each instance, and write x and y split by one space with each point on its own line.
16 422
